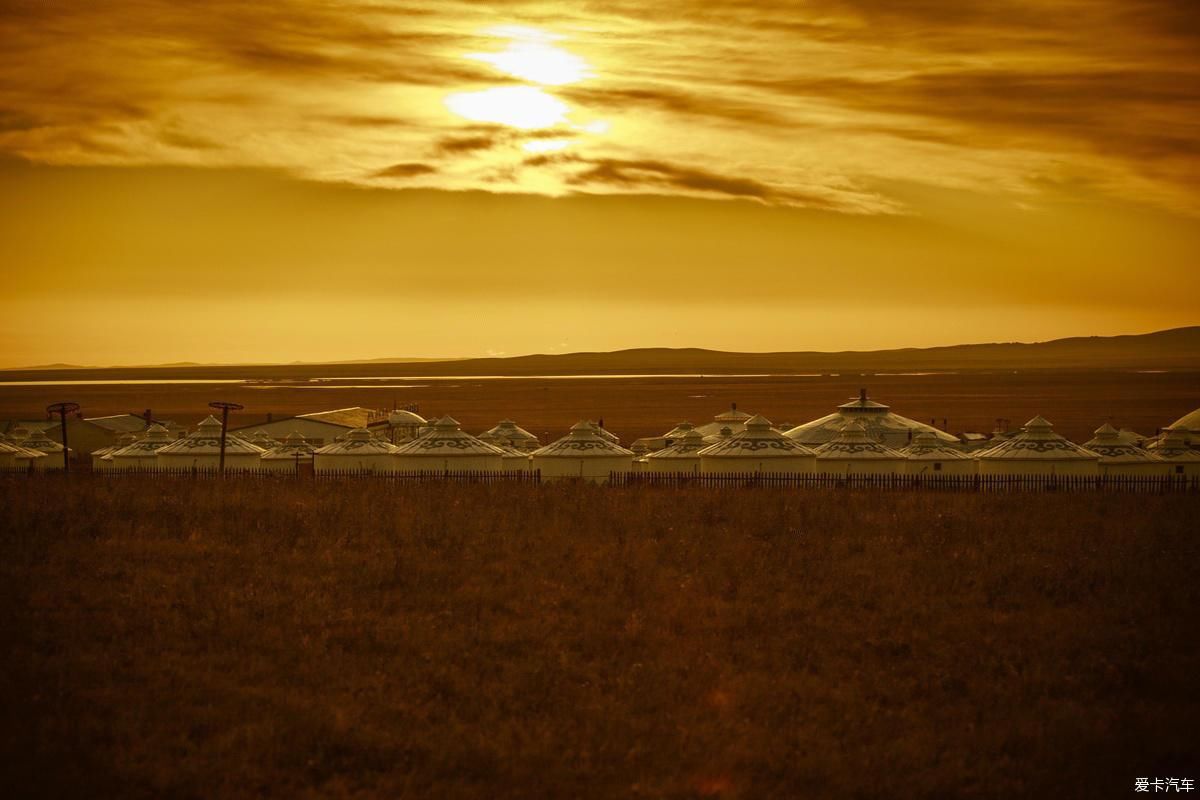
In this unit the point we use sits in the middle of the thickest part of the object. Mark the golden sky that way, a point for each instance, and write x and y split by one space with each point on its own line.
312 180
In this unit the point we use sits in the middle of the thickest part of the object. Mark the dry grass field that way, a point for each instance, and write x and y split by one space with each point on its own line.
298 639
1076 401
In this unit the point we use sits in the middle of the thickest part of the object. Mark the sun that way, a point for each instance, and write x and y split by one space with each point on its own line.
525 107
537 62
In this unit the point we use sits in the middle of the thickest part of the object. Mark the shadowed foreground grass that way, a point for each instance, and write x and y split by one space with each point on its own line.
200 639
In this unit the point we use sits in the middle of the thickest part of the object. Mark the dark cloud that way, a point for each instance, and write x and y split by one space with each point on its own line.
408 169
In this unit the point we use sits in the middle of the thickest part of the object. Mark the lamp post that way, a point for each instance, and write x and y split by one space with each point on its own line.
62 409
225 409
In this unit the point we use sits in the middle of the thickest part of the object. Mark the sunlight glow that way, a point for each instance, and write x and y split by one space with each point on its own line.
537 62
523 107
546 145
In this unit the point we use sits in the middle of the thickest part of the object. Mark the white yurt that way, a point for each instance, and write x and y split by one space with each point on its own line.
584 453
142 453
290 455
758 448
1038 450
511 435
102 458
880 422
9 453
404 426
25 459
928 455
1189 426
1174 449
447 447
733 419
604 432
682 456
1119 457
359 451
262 440
853 452
720 436
201 449
513 460
39 442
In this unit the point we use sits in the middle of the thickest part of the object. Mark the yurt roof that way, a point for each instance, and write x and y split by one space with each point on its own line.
447 438
1113 450
852 442
1173 446
712 438
927 447
680 430
262 439
864 405
157 437
732 415
604 432
759 440
124 440
689 446
402 417
507 429
878 418
292 446
38 440
358 442
1037 441
1189 421
20 452
206 440
583 441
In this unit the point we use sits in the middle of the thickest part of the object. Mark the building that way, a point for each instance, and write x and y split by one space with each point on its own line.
404 425
758 448
448 448
509 434
877 419
583 454
39 441
928 455
1038 450
1120 457
201 449
102 458
853 452
289 456
320 428
681 456
1174 449
359 451
141 453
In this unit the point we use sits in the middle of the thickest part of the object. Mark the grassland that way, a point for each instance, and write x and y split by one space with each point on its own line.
295 639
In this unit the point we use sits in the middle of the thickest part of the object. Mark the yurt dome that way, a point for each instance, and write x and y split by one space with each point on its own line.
852 451
262 440
1173 448
289 455
1038 450
102 458
719 436
880 423
143 453
202 449
358 451
1118 457
759 448
604 432
405 425
23 458
584 453
732 419
513 460
682 456
447 447
509 434
1188 423
928 455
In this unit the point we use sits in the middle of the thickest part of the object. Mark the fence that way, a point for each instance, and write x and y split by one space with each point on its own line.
959 483
1150 484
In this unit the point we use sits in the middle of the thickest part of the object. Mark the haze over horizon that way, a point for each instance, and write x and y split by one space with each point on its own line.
321 181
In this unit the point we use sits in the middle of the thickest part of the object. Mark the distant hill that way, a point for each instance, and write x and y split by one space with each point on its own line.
1174 349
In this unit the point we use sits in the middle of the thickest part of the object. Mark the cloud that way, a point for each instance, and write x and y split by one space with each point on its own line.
406 170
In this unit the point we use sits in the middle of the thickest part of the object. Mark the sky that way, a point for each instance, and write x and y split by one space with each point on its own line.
326 179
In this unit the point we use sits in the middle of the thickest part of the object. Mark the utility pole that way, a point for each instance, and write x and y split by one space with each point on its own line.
225 409
62 409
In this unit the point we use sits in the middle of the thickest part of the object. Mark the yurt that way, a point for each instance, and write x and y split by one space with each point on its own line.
1173 448
759 448
102 458
928 455
23 458
359 451
40 442
880 423
290 455
201 449
143 453
682 456
733 419
853 452
719 436
509 434
1119 457
513 460
262 440
1189 426
604 432
650 444
447 447
584 453
404 426
1038 450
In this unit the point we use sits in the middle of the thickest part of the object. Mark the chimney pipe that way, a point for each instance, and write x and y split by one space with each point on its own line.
862 394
